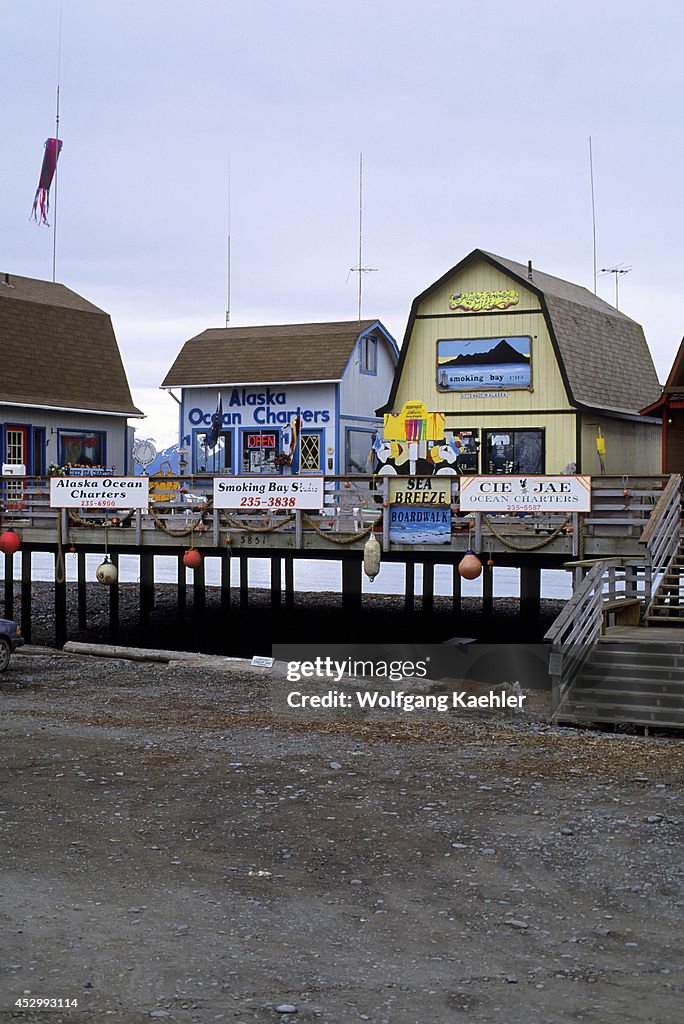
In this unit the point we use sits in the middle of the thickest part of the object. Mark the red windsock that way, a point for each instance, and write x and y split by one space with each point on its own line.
41 201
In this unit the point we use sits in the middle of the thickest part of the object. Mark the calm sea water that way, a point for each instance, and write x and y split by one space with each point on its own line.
310 576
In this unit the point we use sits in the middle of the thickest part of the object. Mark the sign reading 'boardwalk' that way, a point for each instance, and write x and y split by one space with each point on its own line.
525 493
99 492
268 492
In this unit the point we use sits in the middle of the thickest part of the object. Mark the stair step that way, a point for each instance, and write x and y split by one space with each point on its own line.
626 716
656 684
612 698
624 648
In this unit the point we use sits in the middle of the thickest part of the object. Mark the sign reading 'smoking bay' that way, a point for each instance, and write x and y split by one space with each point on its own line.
268 492
525 494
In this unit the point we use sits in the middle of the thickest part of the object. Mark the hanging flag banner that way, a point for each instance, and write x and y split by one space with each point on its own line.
41 200
268 492
525 494
99 492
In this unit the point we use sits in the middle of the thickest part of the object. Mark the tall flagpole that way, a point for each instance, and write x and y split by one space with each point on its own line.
54 205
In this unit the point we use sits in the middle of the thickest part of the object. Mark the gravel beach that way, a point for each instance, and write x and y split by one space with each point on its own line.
173 850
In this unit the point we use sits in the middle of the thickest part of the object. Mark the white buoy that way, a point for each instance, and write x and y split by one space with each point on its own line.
372 553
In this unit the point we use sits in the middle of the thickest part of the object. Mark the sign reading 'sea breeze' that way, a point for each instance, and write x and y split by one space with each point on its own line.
99 492
268 492
525 494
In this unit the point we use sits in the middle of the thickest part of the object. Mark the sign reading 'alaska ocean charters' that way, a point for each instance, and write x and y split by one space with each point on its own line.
99 492
525 493
268 492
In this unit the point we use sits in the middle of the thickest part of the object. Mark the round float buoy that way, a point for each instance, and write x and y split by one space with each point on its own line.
192 558
372 553
470 566
9 542
106 573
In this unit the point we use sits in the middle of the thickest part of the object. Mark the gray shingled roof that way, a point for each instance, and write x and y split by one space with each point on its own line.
266 355
603 355
58 350
607 362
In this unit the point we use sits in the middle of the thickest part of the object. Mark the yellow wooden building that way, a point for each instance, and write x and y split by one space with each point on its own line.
532 373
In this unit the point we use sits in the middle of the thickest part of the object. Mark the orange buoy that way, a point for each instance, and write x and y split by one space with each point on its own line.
470 566
192 558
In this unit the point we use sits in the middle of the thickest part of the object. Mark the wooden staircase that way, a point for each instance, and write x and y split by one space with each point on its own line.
667 607
630 681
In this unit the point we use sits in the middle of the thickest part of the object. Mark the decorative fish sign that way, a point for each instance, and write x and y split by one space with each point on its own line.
41 200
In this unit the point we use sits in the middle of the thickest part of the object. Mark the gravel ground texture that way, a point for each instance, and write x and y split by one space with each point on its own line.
173 850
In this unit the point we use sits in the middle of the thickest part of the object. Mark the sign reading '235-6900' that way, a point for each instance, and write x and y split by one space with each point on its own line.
268 492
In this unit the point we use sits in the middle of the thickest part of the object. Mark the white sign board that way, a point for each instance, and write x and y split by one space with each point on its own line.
99 492
13 469
248 493
525 493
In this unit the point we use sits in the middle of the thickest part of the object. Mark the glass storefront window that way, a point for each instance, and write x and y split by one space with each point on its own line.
216 460
259 451
81 447
514 451
358 451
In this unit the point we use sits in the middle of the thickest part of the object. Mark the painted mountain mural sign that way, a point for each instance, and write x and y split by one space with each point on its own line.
484 364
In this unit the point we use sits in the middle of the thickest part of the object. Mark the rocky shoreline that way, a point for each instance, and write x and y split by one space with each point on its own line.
316 617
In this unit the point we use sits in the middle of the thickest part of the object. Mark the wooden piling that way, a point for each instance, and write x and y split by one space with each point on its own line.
26 595
289 583
9 586
409 586
530 592
244 582
114 594
428 603
146 586
81 588
456 589
60 603
487 589
276 583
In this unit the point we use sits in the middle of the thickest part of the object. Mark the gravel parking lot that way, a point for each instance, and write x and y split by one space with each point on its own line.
172 850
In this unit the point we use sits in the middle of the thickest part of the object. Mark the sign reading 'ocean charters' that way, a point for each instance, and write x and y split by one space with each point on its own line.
99 492
525 493
268 492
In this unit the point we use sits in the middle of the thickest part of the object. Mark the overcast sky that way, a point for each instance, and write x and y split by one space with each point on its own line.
473 119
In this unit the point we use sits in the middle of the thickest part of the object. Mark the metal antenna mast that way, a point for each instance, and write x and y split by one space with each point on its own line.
228 255
361 270
617 270
593 208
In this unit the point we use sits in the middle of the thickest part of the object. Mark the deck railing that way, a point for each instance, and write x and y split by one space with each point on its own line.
641 508
573 636
661 536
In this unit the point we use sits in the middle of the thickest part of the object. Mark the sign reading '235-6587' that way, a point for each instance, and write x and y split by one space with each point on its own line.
525 493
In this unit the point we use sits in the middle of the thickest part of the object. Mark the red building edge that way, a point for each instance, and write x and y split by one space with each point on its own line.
670 409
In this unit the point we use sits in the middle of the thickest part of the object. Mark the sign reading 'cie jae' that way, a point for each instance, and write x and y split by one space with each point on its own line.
525 493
